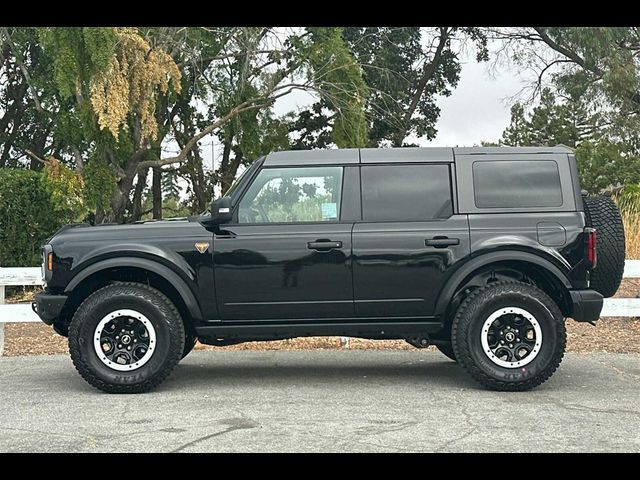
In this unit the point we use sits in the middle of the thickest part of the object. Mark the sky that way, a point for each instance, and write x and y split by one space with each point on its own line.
478 109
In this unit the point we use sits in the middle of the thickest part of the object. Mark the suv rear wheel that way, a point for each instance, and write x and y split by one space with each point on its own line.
126 338
509 336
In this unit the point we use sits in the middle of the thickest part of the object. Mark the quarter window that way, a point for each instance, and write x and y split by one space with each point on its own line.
289 195
517 184
406 193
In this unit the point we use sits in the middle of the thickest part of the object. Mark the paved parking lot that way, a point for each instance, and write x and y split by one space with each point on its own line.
321 401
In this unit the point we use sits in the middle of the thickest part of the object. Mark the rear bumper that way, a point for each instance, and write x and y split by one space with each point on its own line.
587 305
48 307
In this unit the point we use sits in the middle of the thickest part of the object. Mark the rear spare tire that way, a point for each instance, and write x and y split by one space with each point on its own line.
603 214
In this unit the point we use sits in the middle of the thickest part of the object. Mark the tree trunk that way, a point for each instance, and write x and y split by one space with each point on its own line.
120 199
232 169
100 216
428 72
224 164
157 193
137 195
198 184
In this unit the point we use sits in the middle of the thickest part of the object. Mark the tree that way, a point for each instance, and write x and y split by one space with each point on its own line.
603 161
552 122
596 65
405 69
517 133
24 79
111 98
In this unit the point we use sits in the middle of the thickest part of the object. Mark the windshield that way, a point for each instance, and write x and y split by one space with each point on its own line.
238 181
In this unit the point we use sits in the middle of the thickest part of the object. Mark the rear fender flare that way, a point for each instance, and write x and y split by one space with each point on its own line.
455 281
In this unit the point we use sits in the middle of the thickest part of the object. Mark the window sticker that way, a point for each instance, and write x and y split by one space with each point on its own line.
329 210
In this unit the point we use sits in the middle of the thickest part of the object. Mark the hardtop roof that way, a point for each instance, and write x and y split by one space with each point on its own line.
392 155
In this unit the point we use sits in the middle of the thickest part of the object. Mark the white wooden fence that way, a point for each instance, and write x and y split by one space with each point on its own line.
613 307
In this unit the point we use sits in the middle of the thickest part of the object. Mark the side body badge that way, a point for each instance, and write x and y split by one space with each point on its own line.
202 246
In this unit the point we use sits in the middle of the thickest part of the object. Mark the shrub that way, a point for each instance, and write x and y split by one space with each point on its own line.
28 216
628 201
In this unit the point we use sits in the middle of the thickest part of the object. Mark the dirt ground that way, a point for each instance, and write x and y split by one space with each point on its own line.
612 335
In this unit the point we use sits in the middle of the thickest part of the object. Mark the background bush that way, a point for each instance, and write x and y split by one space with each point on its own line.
28 216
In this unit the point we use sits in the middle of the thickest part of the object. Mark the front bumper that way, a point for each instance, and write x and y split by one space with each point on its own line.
48 307
587 305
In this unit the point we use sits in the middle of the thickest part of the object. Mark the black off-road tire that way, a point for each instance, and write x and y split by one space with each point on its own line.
478 306
447 350
158 309
603 214
190 340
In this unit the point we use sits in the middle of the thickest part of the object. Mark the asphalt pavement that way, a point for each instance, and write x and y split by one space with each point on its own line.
335 401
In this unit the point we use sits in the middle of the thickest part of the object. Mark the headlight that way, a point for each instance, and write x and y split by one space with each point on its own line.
47 263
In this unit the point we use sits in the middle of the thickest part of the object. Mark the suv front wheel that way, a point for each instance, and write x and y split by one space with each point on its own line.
509 336
126 338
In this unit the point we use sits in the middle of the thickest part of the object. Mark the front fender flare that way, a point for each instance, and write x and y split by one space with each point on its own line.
456 279
165 272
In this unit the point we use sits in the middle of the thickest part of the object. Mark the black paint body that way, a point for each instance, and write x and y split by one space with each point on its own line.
268 279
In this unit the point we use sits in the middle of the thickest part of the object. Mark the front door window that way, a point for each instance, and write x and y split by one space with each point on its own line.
293 195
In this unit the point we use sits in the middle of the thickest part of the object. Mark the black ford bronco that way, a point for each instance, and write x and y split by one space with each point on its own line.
481 252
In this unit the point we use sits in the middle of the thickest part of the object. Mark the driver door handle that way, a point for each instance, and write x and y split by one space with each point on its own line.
323 245
441 242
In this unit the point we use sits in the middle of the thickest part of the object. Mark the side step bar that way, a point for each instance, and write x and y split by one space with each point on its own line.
397 329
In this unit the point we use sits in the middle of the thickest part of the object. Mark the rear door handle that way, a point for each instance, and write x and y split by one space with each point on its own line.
323 245
441 242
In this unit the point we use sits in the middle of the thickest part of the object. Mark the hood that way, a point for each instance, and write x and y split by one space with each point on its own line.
175 227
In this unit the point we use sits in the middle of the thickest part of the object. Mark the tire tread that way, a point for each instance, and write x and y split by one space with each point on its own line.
603 214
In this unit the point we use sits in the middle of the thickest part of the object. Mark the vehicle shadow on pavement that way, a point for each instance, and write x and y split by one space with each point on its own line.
244 374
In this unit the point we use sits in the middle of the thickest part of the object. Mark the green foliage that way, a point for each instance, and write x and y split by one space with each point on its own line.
551 122
628 201
28 215
517 133
609 69
169 185
65 188
99 184
388 57
22 125
603 163
340 81
97 101
174 208
78 53
403 80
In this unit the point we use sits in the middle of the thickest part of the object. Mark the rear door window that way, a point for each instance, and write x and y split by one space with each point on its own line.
396 193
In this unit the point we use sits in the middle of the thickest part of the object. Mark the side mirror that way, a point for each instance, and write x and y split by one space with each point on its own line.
221 211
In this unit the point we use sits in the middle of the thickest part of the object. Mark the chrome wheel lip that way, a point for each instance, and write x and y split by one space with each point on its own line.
484 337
124 313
